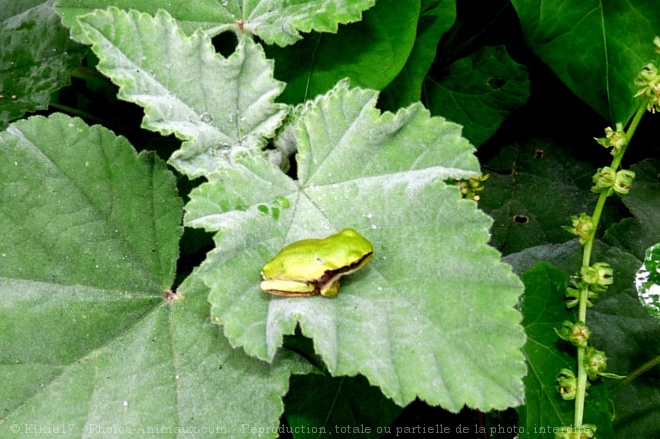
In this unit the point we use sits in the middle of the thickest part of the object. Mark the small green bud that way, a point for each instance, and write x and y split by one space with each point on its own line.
656 43
573 297
583 226
598 276
649 82
567 384
622 181
576 333
605 273
573 294
595 362
614 139
603 179
588 431
648 73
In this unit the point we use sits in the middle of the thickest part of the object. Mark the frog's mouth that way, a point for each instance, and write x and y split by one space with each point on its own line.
331 276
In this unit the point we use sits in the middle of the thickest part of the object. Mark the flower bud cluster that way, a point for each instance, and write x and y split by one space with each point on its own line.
595 362
581 226
608 179
598 277
594 279
648 82
616 140
567 384
573 294
576 333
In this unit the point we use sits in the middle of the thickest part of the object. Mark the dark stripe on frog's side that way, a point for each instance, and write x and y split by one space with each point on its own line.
332 275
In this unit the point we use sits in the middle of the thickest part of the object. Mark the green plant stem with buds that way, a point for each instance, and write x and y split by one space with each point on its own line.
586 261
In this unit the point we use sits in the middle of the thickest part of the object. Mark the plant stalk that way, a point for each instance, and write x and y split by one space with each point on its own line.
586 261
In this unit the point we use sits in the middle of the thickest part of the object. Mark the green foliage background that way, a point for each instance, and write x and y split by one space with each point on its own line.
112 315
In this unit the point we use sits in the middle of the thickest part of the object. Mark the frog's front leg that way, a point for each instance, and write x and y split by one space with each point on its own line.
331 289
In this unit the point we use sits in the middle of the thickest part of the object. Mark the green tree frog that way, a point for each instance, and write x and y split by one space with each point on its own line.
314 266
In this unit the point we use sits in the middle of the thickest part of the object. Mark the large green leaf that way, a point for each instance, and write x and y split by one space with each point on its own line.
479 92
85 214
217 105
369 412
527 168
596 47
431 316
89 336
36 57
379 48
435 18
274 21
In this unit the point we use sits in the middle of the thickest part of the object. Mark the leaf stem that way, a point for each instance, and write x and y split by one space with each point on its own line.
640 370
76 112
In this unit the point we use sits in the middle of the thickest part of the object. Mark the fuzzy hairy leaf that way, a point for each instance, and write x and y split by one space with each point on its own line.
431 316
89 235
216 105
274 21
